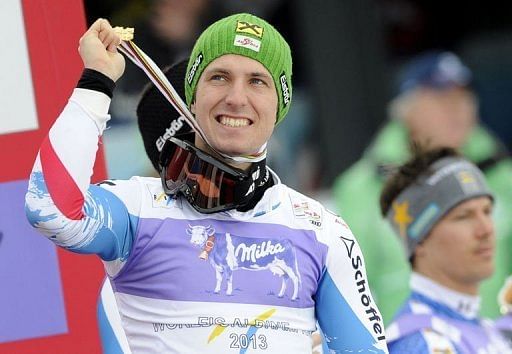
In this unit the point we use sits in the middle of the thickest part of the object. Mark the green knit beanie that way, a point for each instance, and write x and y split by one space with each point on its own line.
252 37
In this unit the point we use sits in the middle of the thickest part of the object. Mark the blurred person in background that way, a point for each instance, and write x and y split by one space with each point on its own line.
435 106
439 207
166 34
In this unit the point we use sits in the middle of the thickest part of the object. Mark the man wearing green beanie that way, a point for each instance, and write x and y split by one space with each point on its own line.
240 45
216 256
251 37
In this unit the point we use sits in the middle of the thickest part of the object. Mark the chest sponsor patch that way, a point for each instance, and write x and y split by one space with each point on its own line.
161 200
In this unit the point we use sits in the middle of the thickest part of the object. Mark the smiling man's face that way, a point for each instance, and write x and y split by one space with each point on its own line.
235 105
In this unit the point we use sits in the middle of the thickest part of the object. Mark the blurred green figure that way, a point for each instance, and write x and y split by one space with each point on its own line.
435 105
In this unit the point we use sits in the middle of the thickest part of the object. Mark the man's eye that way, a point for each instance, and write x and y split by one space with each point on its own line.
461 216
217 77
256 81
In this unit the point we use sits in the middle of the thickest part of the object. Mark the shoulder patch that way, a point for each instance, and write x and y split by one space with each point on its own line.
307 209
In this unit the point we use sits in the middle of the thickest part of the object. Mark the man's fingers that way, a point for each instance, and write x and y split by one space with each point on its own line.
112 41
112 48
98 49
102 29
102 35
105 35
98 25
113 38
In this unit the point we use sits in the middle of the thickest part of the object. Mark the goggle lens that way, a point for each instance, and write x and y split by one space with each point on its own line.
208 184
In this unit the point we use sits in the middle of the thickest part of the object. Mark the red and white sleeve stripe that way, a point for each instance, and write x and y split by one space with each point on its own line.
68 153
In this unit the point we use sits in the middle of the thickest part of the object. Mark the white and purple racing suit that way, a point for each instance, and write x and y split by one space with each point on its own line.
269 275
436 319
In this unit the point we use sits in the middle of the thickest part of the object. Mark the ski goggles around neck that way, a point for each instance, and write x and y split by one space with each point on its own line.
208 184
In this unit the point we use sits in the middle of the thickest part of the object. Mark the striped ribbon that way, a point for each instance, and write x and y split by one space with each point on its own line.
153 72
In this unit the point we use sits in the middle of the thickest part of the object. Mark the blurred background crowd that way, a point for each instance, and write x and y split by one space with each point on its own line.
370 78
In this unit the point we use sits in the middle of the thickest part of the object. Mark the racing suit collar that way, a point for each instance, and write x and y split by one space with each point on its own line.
466 305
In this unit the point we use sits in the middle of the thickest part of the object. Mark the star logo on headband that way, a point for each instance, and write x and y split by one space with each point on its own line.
466 177
402 217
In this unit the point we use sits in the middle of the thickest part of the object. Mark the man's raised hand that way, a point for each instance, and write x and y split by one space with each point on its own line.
98 49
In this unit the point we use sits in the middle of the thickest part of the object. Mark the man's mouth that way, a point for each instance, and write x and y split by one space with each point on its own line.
485 251
233 122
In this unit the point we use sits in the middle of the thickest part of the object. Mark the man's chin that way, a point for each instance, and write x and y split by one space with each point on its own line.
487 271
235 151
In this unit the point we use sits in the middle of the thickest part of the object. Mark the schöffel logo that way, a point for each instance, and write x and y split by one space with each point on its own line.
284 88
193 70
363 289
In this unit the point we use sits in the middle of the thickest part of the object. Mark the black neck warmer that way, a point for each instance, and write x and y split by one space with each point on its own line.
260 180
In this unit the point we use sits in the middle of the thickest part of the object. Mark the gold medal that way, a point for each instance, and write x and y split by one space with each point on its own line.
126 33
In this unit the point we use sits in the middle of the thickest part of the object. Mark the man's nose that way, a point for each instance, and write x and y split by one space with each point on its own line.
236 94
485 225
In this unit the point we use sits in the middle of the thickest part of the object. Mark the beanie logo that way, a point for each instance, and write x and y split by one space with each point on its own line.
247 42
246 27
193 69
284 89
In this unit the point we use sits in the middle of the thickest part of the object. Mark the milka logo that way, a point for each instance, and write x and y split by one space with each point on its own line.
255 251
284 88
228 253
247 42
193 69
